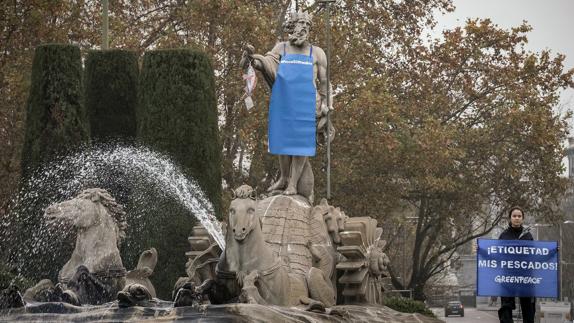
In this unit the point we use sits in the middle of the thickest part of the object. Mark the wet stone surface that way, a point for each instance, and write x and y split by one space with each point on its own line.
165 312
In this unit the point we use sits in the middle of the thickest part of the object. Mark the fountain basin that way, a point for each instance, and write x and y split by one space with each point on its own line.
165 312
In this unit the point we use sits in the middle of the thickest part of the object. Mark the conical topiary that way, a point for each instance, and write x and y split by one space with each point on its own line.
56 119
56 124
111 85
178 116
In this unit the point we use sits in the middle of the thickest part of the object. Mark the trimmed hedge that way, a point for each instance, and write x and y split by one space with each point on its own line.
56 119
56 124
111 85
179 114
407 305
178 117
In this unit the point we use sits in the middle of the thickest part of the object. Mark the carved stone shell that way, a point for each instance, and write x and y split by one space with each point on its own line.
288 227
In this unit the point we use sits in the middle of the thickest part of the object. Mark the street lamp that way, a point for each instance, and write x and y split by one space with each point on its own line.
327 4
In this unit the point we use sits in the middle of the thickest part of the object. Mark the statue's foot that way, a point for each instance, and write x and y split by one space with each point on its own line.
290 191
279 185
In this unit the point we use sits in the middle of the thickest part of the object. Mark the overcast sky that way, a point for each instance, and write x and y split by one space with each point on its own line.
552 22
553 28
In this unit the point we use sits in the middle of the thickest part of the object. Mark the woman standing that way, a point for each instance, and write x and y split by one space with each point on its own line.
516 231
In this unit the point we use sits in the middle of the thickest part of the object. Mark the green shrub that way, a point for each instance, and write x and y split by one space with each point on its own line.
111 84
56 119
178 116
8 277
407 305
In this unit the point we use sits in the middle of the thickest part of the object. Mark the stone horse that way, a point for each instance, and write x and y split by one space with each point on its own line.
94 274
250 268
323 248
101 223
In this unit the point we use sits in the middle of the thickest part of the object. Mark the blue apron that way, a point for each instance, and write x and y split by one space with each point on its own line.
292 108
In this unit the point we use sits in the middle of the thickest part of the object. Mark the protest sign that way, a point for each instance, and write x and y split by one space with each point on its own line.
522 268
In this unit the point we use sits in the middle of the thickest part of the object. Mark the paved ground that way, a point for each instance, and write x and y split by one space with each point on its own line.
471 315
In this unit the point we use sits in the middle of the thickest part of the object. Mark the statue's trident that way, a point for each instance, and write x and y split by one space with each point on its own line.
327 4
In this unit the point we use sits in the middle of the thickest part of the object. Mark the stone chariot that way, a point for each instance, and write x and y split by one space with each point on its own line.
281 250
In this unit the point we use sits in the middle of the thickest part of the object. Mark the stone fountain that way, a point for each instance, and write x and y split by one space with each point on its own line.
283 259
279 257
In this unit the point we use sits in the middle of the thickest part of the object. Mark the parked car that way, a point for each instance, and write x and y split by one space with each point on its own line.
453 308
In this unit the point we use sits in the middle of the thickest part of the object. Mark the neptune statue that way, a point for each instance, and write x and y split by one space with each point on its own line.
296 72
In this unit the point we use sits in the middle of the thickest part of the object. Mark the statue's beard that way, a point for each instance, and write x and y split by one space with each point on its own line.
298 37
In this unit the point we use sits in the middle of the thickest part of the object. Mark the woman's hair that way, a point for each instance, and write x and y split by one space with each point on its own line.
515 208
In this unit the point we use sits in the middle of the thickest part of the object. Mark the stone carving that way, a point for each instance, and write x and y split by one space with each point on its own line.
282 251
251 269
324 252
46 291
334 219
94 274
264 278
40 292
296 175
363 263
101 224
89 288
140 275
201 265
320 243
134 295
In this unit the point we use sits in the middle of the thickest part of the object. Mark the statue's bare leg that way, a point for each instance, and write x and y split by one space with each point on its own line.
297 164
284 164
